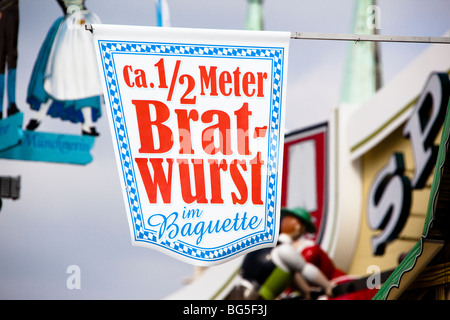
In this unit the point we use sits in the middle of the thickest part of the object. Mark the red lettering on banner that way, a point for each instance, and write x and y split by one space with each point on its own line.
199 179
239 181
163 181
223 127
184 127
224 79
248 79
256 164
261 77
236 74
242 116
146 124
216 185
141 81
209 80
159 181
156 137
231 84
126 76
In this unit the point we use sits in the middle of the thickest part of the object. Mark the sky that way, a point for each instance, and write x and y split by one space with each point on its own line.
74 215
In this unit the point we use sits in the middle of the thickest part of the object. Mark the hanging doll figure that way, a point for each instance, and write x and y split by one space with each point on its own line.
65 82
9 30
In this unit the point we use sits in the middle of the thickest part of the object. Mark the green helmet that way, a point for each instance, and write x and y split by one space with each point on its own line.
303 215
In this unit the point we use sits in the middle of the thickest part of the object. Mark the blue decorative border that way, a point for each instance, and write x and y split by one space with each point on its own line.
276 55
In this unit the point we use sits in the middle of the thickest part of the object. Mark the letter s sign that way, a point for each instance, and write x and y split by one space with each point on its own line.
389 203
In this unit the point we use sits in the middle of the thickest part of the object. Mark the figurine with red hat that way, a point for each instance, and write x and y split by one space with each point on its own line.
310 250
298 221
266 273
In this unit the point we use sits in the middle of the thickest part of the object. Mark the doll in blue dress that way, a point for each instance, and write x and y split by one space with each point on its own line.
65 82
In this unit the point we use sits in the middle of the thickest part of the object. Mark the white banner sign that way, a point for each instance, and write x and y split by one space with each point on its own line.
197 120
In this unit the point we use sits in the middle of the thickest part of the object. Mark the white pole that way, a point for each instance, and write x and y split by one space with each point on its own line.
368 37
355 37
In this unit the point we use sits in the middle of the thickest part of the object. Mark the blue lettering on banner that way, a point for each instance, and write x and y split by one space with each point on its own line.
170 227
51 147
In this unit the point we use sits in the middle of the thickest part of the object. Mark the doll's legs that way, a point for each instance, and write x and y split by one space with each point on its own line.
2 89
11 92
88 126
38 117
9 29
